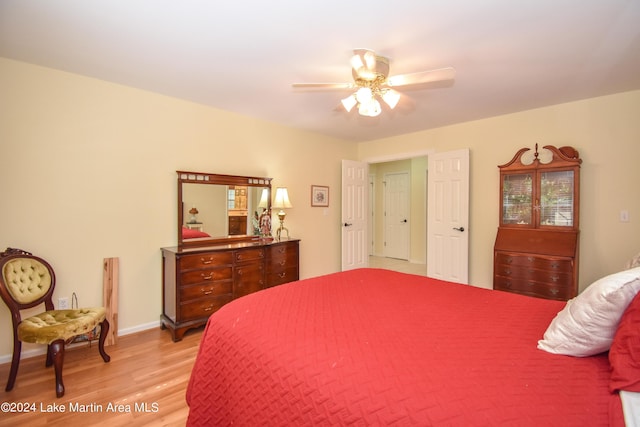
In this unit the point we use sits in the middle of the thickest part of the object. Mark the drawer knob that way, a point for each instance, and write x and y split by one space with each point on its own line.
282 275
554 278
208 308
206 261
209 277
282 263
207 291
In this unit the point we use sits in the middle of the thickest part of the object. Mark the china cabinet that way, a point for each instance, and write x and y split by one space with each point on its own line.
536 247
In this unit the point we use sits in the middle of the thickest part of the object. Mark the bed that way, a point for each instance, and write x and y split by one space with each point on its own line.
376 347
191 233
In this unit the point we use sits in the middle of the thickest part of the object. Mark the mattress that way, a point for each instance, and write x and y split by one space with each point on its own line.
376 347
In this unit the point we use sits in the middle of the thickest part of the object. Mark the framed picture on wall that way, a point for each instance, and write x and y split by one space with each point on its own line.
319 195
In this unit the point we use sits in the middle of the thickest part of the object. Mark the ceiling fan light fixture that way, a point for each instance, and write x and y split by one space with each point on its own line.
364 95
356 62
370 108
391 98
349 102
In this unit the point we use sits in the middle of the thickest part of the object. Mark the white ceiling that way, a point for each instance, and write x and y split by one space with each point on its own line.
242 56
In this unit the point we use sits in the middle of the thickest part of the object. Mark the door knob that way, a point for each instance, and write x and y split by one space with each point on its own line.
404 220
346 224
459 229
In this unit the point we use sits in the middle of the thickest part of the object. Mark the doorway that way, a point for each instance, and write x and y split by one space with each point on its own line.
414 169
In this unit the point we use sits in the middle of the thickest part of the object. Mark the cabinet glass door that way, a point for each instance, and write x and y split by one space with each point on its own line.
516 199
556 198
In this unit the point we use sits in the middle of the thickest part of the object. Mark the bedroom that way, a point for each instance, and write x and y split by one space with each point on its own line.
89 172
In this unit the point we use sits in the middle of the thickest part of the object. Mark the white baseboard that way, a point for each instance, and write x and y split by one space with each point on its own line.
41 349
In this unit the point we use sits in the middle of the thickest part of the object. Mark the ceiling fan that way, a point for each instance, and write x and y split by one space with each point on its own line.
371 81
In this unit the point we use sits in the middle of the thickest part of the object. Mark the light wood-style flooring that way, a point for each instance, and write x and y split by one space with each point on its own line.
147 375
400 265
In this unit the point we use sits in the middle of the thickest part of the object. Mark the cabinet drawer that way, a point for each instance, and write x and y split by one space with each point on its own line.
282 255
280 276
533 261
202 307
203 276
205 290
249 254
191 262
534 288
248 279
550 277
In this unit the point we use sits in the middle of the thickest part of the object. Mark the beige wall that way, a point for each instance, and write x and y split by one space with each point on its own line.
88 172
606 132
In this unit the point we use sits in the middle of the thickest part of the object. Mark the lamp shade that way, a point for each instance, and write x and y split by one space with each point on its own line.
282 199
264 198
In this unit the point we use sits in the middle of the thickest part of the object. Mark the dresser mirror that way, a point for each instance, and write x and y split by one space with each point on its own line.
214 209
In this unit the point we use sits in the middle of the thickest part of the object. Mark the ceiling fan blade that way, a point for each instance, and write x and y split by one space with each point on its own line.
440 74
324 85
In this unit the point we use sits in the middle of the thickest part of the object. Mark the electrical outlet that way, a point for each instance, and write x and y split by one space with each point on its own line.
63 303
624 215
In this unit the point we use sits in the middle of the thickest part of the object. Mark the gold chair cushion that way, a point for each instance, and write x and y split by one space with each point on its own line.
27 279
44 328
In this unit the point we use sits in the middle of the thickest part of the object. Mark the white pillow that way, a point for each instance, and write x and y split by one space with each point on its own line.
587 324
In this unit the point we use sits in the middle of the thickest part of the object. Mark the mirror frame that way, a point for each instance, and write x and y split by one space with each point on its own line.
185 177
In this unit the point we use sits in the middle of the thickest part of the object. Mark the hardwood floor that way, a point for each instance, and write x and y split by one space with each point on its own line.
147 376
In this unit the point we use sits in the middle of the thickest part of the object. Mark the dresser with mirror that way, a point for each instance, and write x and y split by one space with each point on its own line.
225 248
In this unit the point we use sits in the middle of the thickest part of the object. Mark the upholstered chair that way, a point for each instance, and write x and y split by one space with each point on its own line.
27 281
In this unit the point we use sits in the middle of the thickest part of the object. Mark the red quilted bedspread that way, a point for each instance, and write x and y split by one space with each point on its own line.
375 347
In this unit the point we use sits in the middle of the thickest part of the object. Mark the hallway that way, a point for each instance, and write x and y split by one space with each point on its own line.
397 265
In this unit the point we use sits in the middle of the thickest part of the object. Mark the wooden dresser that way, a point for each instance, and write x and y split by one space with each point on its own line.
197 281
536 247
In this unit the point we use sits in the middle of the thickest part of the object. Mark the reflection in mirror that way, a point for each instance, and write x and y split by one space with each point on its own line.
219 208
223 209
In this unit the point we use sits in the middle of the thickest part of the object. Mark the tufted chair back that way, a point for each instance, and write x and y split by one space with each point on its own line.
26 281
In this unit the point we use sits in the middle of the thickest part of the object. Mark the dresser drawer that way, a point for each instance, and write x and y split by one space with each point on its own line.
203 276
203 307
281 275
249 254
533 288
191 262
531 273
249 278
533 261
282 254
205 290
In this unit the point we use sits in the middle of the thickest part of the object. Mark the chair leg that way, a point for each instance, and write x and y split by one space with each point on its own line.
104 330
57 353
49 360
15 362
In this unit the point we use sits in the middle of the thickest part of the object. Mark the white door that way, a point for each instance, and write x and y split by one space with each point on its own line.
396 215
448 216
355 250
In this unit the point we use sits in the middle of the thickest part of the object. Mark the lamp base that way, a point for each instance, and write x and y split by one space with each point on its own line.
279 231
281 216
